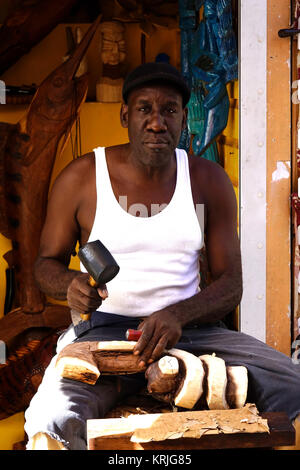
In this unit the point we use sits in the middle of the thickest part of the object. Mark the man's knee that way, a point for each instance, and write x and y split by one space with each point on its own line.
42 441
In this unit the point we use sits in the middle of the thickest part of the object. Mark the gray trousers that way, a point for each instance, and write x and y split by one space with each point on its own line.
61 407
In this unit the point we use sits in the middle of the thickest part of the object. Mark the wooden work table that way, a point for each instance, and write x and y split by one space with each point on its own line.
268 431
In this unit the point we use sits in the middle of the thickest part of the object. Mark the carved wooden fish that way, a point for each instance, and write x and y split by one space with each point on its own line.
27 154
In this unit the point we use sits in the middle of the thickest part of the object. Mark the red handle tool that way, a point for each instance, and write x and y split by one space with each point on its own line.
133 335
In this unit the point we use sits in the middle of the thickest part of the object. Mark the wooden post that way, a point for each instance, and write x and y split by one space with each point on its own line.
278 267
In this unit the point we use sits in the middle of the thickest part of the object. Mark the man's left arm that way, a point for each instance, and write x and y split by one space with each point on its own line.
163 328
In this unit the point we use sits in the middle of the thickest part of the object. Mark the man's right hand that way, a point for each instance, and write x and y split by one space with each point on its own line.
82 297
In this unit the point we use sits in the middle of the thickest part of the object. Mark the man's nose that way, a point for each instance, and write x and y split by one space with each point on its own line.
156 122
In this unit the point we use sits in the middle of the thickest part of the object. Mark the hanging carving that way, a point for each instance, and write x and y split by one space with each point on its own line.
28 24
209 62
149 14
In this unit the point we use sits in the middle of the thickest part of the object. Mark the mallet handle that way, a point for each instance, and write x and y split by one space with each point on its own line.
92 283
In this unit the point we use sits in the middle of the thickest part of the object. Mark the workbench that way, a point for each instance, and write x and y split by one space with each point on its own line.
280 433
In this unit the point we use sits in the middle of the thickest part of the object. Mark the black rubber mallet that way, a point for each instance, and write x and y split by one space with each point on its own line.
99 263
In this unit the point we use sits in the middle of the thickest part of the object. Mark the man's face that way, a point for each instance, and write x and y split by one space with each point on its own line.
155 119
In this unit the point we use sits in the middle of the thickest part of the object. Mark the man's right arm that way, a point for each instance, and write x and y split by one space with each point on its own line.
59 237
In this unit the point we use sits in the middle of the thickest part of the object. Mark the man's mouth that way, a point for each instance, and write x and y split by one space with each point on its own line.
156 144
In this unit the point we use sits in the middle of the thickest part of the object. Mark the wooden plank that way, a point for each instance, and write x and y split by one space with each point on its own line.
278 179
280 432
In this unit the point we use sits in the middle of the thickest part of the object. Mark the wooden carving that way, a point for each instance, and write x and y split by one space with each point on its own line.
178 377
162 376
28 150
23 371
113 53
85 361
148 13
237 386
216 378
28 24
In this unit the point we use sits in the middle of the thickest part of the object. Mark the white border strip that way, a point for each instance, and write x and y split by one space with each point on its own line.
253 154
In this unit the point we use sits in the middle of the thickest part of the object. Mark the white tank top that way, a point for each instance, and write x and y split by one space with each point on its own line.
158 255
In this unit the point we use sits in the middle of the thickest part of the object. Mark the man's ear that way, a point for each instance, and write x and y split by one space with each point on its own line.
124 115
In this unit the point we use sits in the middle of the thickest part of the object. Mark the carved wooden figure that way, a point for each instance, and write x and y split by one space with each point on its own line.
109 87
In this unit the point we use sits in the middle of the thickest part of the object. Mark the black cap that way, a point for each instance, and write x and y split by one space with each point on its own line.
160 72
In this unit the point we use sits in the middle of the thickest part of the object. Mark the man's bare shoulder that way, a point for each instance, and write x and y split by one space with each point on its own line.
79 168
203 168
74 180
210 177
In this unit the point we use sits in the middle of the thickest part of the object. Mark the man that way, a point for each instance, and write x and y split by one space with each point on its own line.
157 288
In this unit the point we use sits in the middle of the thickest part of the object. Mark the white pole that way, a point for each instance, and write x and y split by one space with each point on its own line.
253 140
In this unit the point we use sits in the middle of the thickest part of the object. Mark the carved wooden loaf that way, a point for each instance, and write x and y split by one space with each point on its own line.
85 361
216 382
225 386
179 377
